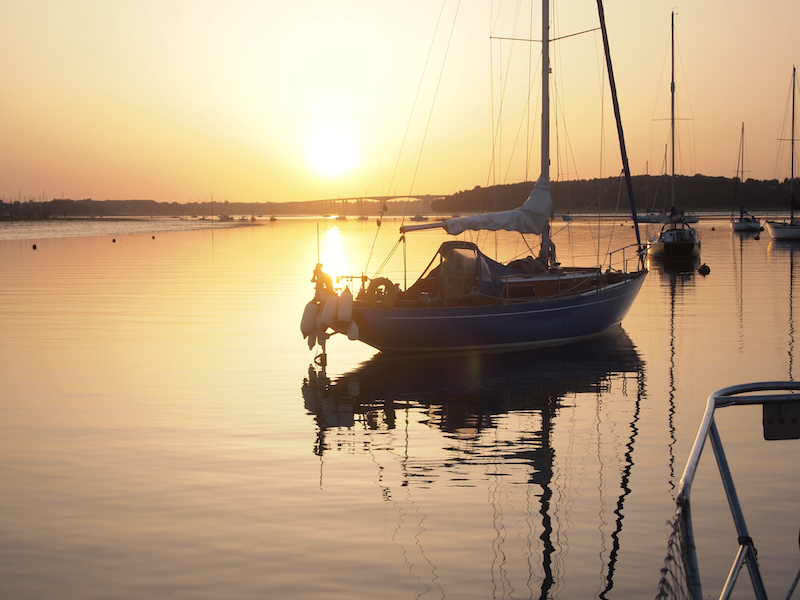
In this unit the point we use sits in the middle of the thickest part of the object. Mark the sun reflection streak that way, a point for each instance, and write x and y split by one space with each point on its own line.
333 258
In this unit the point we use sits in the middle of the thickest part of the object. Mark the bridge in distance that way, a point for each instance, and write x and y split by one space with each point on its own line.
355 204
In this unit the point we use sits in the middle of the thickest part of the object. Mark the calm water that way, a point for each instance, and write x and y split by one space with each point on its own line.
161 435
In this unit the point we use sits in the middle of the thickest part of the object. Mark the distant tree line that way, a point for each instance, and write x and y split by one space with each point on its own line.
692 193
88 208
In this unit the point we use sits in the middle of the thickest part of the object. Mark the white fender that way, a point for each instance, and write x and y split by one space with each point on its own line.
352 331
330 309
345 312
309 319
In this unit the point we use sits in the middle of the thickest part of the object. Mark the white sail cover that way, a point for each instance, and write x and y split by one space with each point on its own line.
531 217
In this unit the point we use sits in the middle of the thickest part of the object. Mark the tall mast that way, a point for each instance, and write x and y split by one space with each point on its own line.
741 166
672 105
791 182
545 175
546 89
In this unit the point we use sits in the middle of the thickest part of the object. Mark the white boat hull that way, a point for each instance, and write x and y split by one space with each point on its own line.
745 225
781 230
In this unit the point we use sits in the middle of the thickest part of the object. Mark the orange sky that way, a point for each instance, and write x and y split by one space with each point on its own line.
280 101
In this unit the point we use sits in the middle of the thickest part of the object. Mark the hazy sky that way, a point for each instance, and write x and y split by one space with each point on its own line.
275 101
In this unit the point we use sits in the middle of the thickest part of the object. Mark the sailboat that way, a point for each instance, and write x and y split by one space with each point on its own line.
464 300
745 221
788 230
677 238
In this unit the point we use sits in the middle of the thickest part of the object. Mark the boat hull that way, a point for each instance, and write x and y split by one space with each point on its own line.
660 249
745 225
676 240
522 325
784 231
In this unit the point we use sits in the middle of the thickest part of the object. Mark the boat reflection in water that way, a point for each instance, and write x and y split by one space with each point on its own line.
674 265
516 424
780 250
676 275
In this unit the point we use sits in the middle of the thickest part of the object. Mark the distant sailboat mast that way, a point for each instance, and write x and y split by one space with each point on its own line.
791 181
672 105
741 164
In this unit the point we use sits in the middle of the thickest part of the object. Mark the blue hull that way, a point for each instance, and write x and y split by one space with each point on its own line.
521 325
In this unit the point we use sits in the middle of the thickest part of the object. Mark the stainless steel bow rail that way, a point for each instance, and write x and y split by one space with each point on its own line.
680 577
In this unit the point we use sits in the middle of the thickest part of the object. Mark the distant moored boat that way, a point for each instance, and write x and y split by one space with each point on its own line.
788 230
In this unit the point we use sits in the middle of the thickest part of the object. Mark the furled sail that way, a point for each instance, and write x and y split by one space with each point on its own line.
531 217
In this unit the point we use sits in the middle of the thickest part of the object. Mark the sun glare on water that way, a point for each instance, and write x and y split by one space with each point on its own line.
333 259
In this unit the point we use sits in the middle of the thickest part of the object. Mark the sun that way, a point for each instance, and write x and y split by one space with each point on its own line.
332 149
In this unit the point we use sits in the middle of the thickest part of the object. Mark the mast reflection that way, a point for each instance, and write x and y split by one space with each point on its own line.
783 249
470 398
677 275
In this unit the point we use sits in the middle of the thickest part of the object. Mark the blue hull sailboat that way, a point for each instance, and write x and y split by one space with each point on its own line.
590 304
465 300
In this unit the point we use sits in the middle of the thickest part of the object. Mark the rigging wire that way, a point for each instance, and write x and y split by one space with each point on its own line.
433 104
692 160
391 253
408 126
602 150
416 97
785 126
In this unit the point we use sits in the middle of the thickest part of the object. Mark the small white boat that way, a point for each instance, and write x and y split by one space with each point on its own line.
784 230
788 230
745 221
676 239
